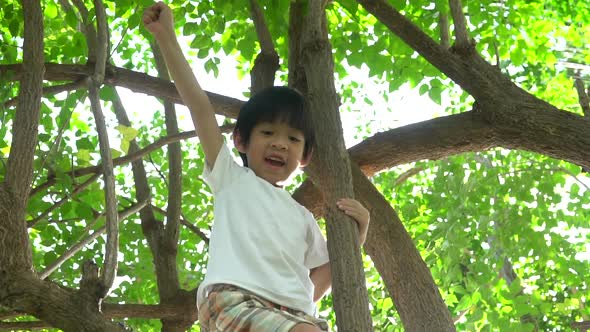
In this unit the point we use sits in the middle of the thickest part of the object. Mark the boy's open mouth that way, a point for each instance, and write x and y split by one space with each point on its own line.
275 161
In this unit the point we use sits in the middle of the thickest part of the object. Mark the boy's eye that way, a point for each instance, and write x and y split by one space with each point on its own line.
266 132
294 139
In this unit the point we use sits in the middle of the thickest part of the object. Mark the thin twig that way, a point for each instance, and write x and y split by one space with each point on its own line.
102 41
407 174
109 270
443 26
162 176
51 90
88 30
59 203
78 246
122 35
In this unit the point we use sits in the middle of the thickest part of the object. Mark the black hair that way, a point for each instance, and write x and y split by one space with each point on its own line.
275 104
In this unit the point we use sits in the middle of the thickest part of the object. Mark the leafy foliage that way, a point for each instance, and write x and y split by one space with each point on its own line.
503 232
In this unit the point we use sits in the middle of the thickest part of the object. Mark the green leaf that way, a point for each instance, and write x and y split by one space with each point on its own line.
574 190
398 4
51 9
435 94
350 6
14 27
116 153
127 133
83 156
463 304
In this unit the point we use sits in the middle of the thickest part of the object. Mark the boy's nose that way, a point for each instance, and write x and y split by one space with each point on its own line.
279 144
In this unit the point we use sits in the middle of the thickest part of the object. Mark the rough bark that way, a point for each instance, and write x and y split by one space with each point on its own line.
14 190
20 288
267 62
330 170
53 304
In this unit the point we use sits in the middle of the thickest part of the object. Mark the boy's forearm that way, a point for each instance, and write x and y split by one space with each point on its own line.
193 96
321 277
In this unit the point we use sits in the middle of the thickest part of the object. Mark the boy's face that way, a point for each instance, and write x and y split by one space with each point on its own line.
274 152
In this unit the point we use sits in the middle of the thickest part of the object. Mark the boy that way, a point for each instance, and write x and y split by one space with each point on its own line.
268 259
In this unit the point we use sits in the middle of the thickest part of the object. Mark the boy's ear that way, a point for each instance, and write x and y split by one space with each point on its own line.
239 142
305 160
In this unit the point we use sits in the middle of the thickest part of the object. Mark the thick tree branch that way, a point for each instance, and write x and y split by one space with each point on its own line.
402 269
433 139
56 305
135 81
467 68
267 61
113 310
460 25
14 190
87 240
394 254
109 270
19 170
330 170
466 132
297 78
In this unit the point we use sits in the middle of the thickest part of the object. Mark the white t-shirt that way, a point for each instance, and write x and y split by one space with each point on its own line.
262 240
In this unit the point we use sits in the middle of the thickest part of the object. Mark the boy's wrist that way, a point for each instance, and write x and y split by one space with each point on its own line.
165 38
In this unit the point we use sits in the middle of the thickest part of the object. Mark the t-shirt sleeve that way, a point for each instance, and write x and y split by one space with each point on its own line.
224 171
317 253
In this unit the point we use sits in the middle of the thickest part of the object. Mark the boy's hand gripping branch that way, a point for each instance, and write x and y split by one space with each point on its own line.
358 212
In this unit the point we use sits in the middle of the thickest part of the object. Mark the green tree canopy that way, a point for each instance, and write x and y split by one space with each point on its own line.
479 215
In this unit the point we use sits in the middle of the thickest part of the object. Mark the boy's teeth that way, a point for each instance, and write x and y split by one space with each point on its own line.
275 161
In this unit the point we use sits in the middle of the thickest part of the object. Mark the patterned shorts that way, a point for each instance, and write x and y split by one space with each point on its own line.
232 309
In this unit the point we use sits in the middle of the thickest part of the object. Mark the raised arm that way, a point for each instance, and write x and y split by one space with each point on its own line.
159 22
